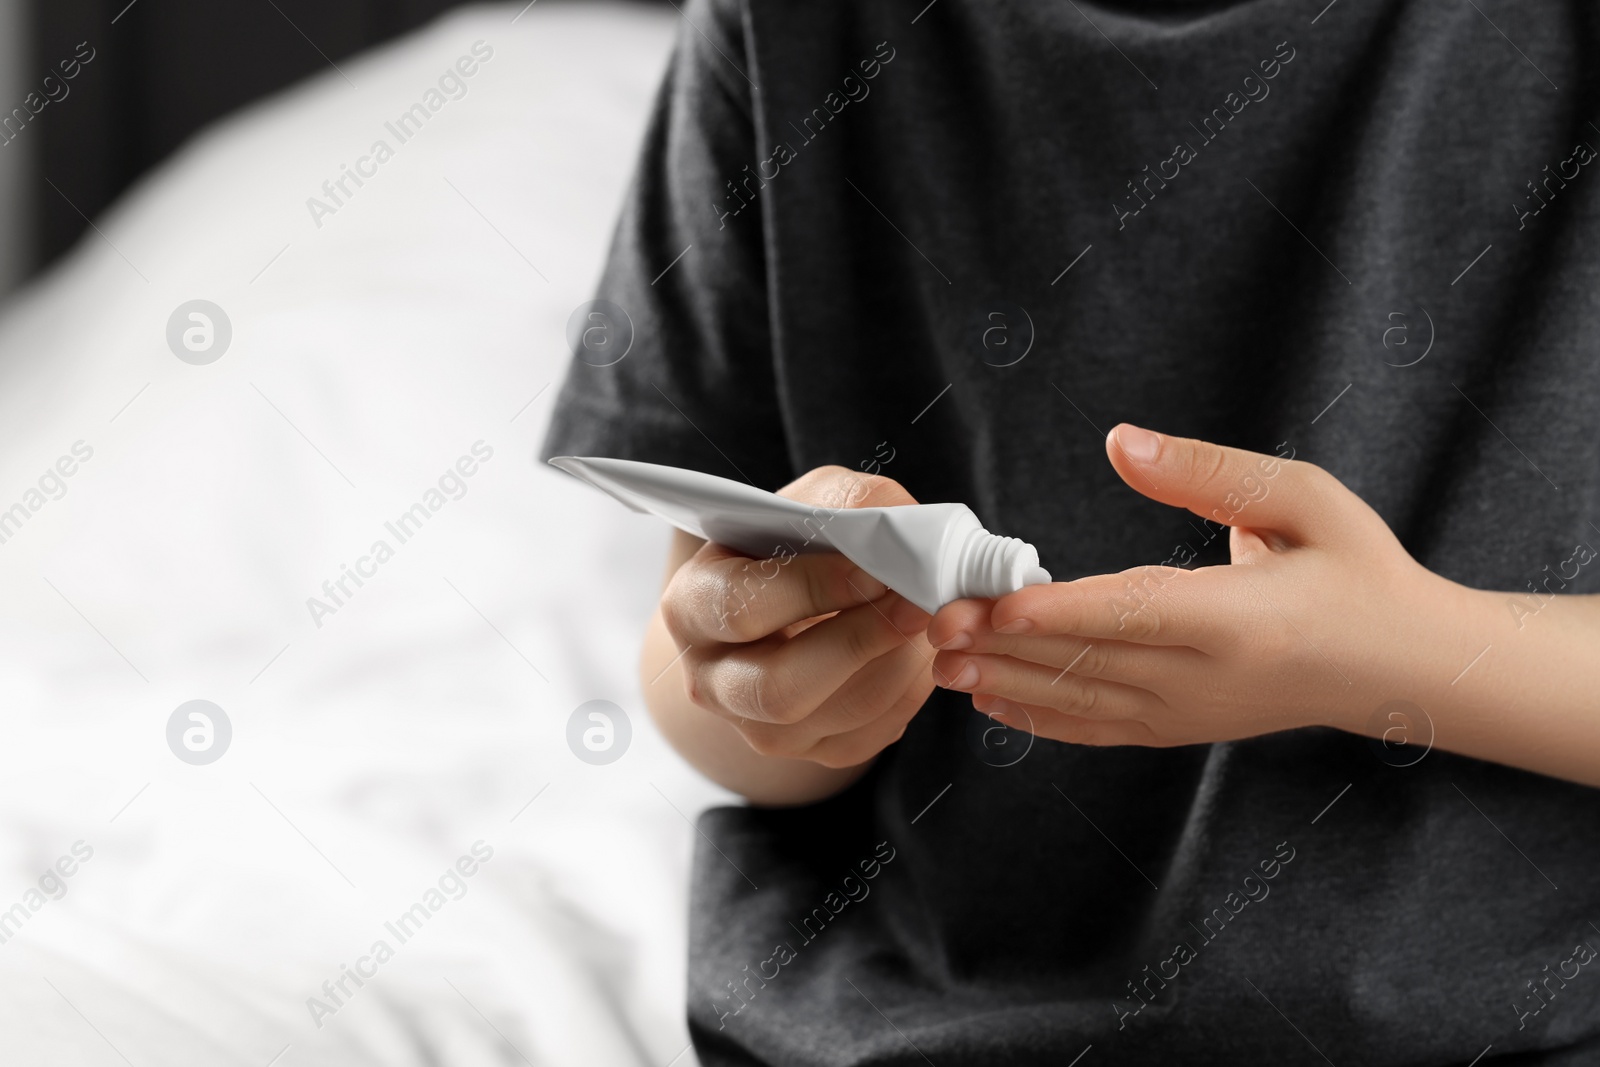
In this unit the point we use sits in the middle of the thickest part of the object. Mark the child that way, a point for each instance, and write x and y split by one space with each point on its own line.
1300 764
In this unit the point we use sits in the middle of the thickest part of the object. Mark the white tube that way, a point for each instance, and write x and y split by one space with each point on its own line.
930 554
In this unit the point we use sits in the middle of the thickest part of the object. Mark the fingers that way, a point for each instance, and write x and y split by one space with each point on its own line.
720 596
858 745
964 626
784 680
1112 661
955 624
1145 605
1072 729
840 487
1229 485
1032 683
868 712
805 655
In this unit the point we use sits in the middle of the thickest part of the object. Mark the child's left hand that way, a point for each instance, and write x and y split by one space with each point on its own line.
1321 618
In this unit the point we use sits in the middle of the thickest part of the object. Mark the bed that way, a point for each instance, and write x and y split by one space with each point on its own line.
190 510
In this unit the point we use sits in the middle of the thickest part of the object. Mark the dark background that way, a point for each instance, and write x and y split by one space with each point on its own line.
163 69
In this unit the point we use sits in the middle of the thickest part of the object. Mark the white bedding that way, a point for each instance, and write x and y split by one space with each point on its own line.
371 752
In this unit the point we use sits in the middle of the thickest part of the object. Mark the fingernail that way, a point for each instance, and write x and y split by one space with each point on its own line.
865 585
966 677
956 641
1015 626
1138 445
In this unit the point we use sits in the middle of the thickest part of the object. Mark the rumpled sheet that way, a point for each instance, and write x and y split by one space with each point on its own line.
375 745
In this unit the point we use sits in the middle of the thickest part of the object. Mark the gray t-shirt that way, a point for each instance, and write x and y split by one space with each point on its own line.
955 244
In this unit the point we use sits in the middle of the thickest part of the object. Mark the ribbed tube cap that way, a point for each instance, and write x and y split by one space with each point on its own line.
991 565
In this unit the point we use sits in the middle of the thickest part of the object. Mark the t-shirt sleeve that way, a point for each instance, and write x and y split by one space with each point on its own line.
672 362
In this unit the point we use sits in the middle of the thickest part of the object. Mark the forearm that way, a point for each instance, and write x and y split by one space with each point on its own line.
715 748
1520 688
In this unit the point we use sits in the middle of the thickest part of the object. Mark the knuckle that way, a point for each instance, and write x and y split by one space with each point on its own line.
760 736
672 618
841 487
876 491
738 624
1142 623
774 696
1206 465
814 587
731 596
701 600
675 611
1319 478
858 708
741 693
753 688
861 641
827 486
1084 700
854 747
1152 623
1094 661
1137 612
769 739
855 489
829 752
694 681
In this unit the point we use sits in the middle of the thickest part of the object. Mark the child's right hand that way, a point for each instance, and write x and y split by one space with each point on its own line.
809 657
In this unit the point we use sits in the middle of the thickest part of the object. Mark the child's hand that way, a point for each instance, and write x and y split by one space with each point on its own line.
807 656
1321 618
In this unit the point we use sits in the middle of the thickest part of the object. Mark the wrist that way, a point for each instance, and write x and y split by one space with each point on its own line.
1456 677
1433 658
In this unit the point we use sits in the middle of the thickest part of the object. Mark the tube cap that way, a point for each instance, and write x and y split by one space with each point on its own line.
991 565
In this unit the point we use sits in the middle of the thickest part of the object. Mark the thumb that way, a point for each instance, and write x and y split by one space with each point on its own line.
1228 485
